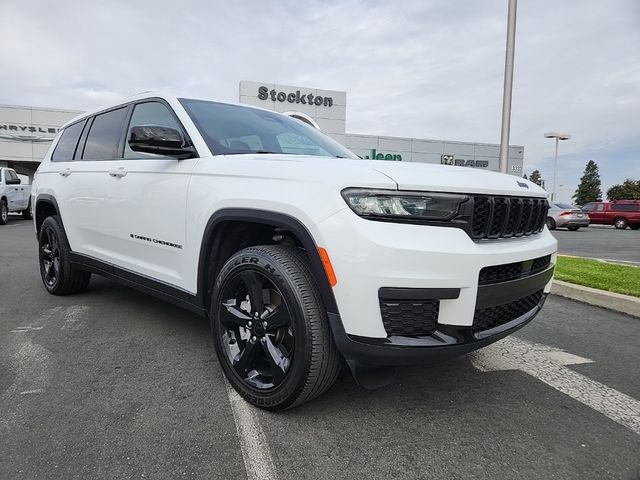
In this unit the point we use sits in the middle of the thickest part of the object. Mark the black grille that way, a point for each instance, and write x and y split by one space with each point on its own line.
491 317
505 217
410 318
512 271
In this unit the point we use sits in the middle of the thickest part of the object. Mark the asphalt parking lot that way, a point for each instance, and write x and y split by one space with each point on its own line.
600 241
116 384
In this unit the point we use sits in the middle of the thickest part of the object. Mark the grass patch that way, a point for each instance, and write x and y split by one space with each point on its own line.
605 276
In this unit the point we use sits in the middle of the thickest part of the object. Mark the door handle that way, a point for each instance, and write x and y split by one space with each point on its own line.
118 173
65 173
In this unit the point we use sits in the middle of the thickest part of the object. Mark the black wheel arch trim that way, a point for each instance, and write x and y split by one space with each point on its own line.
266 217
46 198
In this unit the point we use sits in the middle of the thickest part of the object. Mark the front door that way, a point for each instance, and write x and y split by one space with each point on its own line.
148 201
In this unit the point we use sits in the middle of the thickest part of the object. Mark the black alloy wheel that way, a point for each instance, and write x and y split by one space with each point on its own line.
257 333
270 328
59 275
49 257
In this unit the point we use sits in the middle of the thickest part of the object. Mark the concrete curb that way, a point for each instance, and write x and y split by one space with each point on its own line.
600 298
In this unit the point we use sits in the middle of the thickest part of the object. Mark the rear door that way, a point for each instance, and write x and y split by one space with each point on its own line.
89 196
148 202
596 212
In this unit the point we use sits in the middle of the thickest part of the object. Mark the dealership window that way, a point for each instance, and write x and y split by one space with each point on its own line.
66 146
149 113
104 136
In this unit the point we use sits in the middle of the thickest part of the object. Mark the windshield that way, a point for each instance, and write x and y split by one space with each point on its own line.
234 129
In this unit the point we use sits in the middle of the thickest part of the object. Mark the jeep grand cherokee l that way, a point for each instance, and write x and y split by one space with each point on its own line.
298 252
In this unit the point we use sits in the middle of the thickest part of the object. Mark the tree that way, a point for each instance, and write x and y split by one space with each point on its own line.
525 177
629 190
536 178
589 188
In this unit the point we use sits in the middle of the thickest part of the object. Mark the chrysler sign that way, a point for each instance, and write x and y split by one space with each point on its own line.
294 97
29 133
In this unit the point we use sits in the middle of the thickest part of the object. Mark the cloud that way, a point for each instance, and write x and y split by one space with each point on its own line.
416 68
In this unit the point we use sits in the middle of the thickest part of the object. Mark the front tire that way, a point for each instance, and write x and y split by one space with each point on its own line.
620 223
634 227
271 330
59 276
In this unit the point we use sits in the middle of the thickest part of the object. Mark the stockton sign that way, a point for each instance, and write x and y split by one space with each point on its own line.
459 162
294 97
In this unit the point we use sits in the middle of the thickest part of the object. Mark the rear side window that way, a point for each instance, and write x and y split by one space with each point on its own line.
66 146
104 136
625 207
599 207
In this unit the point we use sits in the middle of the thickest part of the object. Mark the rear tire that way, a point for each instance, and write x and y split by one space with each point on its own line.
4 212
271 330
620 223
551 223
573 229
27 214
59 276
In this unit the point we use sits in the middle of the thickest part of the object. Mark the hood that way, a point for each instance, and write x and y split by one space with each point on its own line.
445 178
376 174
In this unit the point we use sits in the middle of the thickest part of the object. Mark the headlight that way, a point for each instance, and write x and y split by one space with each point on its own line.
388 204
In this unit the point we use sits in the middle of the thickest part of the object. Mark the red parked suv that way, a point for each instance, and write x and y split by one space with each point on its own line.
619 213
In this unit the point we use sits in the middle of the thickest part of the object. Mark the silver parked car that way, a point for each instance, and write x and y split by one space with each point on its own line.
565 215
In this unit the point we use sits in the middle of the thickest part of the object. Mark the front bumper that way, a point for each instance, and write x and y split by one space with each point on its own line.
370 257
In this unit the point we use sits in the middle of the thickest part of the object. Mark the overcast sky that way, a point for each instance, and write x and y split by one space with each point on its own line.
426 69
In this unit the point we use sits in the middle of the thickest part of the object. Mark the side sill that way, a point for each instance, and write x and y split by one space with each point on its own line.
142 283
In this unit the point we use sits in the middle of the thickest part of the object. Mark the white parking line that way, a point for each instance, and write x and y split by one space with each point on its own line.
547 364
253 442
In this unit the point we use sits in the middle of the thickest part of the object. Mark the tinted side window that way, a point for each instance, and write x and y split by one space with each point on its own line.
149 113
104 136
625 207
9 175
599 207
67 144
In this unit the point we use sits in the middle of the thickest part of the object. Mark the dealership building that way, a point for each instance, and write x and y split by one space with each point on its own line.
27 132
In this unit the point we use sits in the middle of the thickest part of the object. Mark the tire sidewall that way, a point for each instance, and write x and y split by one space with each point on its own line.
285 393
551 224
620 223
4 212
53 224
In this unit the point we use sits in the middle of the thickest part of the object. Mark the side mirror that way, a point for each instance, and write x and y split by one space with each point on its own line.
159 140
13 181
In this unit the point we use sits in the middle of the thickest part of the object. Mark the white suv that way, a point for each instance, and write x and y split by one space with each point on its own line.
297 251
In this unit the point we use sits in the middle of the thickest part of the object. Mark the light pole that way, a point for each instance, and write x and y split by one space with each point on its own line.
508 85
558 137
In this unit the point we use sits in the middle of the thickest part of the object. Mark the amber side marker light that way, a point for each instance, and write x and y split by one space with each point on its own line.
328 268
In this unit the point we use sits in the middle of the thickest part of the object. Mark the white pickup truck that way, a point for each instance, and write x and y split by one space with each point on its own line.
14 197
